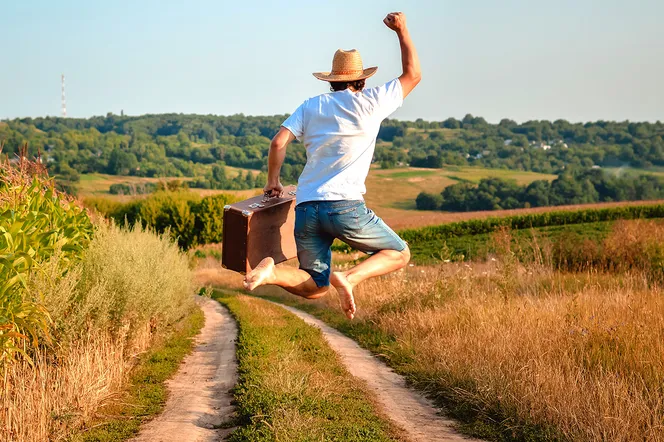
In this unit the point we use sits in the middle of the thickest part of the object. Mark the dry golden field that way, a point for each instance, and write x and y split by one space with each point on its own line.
527 350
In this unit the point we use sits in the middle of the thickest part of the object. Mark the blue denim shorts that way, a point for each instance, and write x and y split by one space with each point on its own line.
318 223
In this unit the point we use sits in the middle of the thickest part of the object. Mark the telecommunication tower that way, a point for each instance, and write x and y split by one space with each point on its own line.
64 105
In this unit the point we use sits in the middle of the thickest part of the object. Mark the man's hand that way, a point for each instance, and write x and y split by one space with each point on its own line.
412 73
273 190
396 21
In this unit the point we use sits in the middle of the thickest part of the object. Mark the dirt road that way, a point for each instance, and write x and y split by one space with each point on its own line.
199 401
409 410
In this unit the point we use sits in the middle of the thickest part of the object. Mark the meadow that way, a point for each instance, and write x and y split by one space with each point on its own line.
391 193
526 350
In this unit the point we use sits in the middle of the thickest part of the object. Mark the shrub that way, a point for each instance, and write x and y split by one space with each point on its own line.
189 219
428 201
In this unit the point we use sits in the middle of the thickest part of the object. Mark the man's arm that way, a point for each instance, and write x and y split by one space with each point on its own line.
412 72
275 159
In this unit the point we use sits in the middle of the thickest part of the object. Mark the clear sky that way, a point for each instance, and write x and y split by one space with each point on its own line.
522 59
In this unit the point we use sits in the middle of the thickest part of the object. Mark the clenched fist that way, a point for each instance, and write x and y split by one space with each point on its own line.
396 21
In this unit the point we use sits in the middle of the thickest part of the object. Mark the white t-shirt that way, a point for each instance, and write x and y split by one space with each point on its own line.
339 131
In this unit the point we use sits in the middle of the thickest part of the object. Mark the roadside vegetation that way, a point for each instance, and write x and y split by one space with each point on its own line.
145 392
80 299
186 217
528 349
291 385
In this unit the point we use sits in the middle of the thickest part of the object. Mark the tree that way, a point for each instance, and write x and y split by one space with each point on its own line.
428 201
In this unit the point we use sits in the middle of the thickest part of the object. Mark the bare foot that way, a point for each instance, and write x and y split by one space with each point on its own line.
345 290
261 275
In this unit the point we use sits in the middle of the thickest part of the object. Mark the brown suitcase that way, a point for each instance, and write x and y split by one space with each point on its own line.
257 228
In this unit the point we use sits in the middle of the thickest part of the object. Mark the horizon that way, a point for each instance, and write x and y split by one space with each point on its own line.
278 115
578 61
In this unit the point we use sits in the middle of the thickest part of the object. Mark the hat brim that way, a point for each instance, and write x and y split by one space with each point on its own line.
327 76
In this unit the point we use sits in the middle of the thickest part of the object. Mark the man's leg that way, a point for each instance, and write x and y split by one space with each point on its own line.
363 230
313 252
296 281
380 263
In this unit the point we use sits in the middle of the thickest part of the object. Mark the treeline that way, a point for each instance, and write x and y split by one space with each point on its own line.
189 219
589 186
187 145
539 146
150 145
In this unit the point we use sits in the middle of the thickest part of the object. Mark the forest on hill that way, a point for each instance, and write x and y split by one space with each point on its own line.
189 145
582 186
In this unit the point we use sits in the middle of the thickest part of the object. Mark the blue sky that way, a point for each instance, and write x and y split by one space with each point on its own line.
579 60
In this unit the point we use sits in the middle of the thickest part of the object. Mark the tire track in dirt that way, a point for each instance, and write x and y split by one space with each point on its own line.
199 400
408 409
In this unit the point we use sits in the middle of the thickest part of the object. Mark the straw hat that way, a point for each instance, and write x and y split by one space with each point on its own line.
346 66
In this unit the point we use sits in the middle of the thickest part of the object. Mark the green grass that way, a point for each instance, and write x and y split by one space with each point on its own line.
146 394
291 385
474 247
410 174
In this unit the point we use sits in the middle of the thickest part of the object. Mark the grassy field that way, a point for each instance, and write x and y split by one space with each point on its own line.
98 184
292 386
390 193
524 351
497 342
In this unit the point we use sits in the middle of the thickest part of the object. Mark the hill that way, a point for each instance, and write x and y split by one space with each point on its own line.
179 145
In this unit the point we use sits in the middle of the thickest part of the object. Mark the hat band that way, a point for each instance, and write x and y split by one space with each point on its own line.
352 72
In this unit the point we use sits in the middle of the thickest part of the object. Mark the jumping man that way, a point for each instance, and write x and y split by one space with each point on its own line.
339 131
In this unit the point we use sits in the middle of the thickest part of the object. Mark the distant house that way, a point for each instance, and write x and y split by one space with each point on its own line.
507 142
540 145
595 166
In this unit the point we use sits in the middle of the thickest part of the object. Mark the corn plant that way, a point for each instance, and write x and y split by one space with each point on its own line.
35 222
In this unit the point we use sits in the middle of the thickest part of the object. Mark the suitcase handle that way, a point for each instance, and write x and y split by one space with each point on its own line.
267 197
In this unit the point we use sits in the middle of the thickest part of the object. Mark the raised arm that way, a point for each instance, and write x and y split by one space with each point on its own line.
412 73
275 159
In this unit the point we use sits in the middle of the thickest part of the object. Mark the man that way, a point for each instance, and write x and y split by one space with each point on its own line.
339 131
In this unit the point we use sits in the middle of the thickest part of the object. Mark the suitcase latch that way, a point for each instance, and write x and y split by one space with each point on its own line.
256 205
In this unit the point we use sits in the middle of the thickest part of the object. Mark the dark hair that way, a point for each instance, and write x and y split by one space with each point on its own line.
336 86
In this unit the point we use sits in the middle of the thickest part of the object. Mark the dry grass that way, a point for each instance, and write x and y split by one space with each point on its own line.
529 346
128 288
49 400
